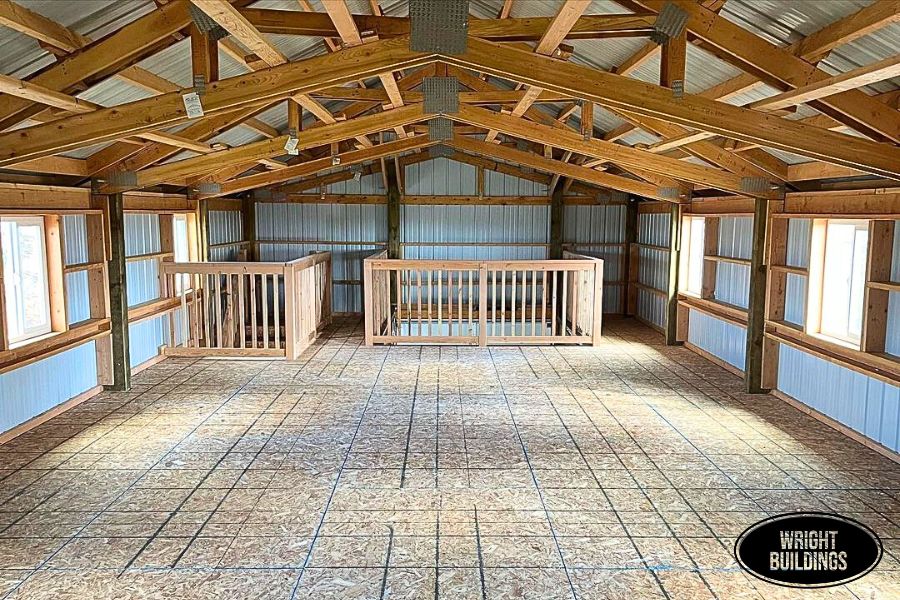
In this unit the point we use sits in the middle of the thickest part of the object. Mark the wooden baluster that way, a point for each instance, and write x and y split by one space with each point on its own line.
276 309
409 311
544 303
254 308
185 317
399 301
575 290
429 303
242 331
503 302
419 301
471 327
565 302
533 300
218 309
554 279
228 324
440 301
207 311
460 303
493 302
449 302
265 310
512 304
524 298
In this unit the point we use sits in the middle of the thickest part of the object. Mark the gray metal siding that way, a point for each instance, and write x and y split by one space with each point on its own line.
441 177
349 231
867 405
653 265
735 241
720 338
225 226
501 184
584 226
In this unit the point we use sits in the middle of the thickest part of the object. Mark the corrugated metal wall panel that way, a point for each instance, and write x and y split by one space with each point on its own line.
735 241
371 184
501 184
651 307
143 281
318 225
225 226
75 239
653 265
78 306
36 388
654 228
733 284
720 338
892 342
594 224
145 338
799 231
735 237
441 177
795 299
141 233
867 405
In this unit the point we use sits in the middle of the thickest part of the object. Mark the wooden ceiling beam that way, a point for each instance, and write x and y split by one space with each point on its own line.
178 171
554 167
875 72
618 154
312 167
615 91
562 23
39 27
230 18
125 46
780 66
254 89
811 48
530 29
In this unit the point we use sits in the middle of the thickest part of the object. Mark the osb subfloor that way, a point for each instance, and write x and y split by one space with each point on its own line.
441 472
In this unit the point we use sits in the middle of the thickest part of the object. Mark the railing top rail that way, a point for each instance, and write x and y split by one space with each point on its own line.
569 255
496 265
311 259
247 268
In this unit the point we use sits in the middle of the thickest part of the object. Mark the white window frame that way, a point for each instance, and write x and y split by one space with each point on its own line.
12 277
693 236
821 287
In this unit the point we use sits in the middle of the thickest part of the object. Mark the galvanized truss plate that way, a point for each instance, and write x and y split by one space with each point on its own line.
440 129
669 23
441 95
439 26
440 151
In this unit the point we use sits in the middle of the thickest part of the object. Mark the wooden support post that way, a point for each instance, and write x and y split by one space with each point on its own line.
632 257
878 269
482 304
203 229
557 216
756 311
776 285
204 57
248 223
368 305
56 282
393 210
118 297
674 266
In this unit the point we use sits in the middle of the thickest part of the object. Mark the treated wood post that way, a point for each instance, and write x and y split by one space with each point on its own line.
118 297
597 317
756 311
630 258
291 306
482 304
556 220
876 302
248 224
368 307
203 228
674 265
393 210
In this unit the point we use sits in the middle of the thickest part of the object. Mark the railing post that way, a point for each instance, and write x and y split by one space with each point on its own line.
482 304
368 308
290 318
597 317
327 298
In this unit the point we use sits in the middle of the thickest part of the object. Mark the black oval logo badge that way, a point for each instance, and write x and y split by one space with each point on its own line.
808 550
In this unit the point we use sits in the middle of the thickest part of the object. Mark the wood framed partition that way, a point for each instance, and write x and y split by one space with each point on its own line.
247 309
483 302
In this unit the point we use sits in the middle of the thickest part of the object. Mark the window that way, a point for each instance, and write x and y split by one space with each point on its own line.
182 251
844 279
25 285
692 242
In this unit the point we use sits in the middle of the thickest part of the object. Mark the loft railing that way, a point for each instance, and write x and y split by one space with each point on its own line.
248 308
483 302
